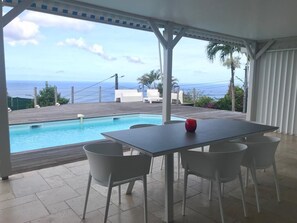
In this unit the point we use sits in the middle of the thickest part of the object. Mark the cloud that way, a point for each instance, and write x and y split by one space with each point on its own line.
48 20
81 44
25 29
21 32
132 59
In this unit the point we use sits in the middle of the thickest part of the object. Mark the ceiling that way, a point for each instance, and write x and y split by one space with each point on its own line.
224 20
249 19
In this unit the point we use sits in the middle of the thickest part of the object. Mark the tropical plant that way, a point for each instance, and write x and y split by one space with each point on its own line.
154 80
226 56
225 102
46 96
174 84
205 101
150 79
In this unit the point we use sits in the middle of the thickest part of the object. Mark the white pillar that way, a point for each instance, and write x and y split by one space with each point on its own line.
252 96
5 164
167 71
168 44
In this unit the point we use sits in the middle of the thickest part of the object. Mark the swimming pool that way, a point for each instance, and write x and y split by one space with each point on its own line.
27 137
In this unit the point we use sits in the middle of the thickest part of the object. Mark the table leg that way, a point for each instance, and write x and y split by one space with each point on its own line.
169 169
130 188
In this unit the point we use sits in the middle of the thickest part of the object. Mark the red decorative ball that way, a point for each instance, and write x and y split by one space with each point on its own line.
191 125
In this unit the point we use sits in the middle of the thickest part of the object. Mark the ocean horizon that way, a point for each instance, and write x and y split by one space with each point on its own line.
85 92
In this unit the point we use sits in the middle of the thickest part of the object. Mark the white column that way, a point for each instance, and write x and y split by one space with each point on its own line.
252 92
168 43
167 70
5 164
166 113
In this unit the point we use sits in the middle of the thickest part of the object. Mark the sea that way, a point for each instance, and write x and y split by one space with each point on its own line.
86 92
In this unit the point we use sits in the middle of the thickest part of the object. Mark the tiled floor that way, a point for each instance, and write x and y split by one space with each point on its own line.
57 195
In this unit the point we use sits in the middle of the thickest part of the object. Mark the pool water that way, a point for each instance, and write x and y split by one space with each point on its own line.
48 134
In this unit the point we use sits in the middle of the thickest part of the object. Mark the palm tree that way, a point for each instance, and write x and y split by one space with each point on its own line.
174 84
149 79
226 56
154 80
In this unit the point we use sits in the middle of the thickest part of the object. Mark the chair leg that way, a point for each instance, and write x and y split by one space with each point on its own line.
242 194
185 192
178 165
253 173
163 157
120 201
145 198
152 165
220 200
210 191
87 196
108 199
247 177
276 181
222 188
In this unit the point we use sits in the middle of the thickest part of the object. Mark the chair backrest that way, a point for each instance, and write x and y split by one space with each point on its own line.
261 150
223 161
152 93
140 126
106 160
179 97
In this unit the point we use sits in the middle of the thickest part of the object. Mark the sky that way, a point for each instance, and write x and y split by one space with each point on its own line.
44 47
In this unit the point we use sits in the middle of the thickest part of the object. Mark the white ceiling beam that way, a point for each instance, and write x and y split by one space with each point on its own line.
179 36
14 12
264 48
250 51
158 33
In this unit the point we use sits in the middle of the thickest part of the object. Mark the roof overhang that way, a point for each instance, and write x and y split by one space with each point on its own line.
120 15
229 21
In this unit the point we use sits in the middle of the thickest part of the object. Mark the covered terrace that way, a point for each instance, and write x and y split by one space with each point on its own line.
265 28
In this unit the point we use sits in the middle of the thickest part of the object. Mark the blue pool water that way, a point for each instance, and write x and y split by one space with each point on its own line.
48 134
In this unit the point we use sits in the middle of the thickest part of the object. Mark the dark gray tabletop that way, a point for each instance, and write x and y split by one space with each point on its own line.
166 139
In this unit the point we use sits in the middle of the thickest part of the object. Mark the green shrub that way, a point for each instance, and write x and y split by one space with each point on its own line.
225 102
204 101
239 93
46 96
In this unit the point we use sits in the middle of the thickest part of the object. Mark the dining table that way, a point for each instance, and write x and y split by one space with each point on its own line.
165 140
